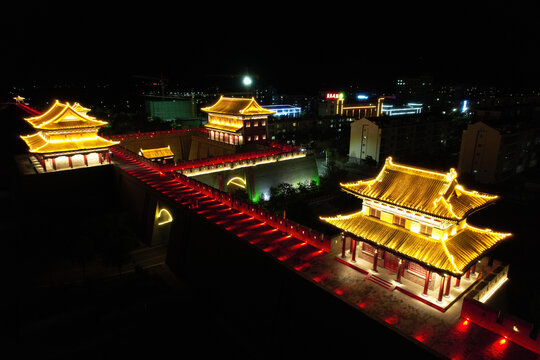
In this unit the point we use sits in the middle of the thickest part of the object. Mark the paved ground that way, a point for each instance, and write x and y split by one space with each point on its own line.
442 332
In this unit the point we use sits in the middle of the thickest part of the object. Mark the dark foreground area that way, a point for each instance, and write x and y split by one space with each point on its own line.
217 295
149 313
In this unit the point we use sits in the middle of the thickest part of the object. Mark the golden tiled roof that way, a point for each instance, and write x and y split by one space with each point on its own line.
237 106
453 255
64 116
157 152
434 193
229 128
41 144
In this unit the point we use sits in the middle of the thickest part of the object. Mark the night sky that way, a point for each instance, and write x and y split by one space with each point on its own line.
314 46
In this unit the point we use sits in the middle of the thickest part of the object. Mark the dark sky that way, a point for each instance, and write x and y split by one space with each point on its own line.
316 46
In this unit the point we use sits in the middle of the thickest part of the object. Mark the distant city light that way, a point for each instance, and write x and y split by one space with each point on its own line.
247 81
362 97
464 107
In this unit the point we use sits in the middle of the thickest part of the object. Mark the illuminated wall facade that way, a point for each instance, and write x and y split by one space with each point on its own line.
257 180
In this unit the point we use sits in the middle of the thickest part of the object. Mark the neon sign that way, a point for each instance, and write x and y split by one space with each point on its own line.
332 96
166 218
238 181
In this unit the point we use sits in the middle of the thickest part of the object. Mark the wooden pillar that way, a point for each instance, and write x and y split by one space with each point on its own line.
448 282
42 162
85 160
221 182
399 270
353 244
441 287
426 282
70 162
53 163
473 269
375 256
468 274
353 251
343 245
108 157
458 281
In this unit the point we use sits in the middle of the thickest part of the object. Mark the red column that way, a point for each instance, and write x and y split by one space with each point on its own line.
85 160
473 269
399 269
448 282
108 157
40 159
53 164
375 256
353 246
458 281
70 162
441 288
468 274
343 245
426 283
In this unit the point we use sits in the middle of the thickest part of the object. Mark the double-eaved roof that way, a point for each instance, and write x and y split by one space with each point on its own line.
237 106
427 192
433 193
78 129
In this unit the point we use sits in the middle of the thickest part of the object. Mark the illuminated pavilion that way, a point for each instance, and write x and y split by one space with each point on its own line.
161 154
413 222
67 137
237 121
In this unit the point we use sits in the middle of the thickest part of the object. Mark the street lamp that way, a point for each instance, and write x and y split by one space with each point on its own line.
247 80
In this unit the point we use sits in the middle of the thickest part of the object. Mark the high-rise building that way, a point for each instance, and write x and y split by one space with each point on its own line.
492 152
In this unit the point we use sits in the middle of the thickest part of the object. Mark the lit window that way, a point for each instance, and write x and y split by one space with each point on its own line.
249 138
375 213
248 124
263 123
256 137
426 230
398 220
255 123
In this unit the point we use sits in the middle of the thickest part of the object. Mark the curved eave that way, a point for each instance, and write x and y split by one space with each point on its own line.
483 253
49 148
217 108
50 119
425 265
451 256
453 219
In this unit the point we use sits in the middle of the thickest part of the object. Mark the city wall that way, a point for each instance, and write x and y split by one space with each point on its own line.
514 329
